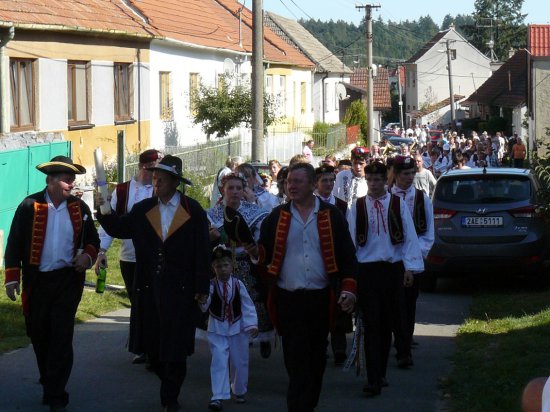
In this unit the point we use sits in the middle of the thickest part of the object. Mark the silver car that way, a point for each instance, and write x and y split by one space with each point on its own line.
486 220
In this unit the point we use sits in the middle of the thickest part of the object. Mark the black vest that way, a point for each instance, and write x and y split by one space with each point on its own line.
217 307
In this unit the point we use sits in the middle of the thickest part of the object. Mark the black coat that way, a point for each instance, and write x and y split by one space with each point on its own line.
169 273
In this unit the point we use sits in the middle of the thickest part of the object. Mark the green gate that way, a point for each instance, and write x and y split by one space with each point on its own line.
19 178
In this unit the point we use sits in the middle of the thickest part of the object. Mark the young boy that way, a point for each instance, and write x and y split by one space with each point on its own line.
232 318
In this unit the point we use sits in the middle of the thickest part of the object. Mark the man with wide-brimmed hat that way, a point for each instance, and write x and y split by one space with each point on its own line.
52 242
170 236
124 197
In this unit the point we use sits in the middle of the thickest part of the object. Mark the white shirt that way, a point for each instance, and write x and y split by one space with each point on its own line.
426 239
136 193
249 318
349 187
308 153
58 249
379 247
167 212
303 266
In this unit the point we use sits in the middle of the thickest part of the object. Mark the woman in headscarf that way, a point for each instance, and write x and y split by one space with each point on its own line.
233 192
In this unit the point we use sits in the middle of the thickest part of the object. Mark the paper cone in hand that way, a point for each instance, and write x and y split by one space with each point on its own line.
236 227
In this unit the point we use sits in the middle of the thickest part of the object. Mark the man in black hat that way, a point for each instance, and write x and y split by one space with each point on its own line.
170 236
52 242
388 254
124 197
421 210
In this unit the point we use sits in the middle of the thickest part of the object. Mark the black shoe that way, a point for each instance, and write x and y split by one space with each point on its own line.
339 358
265 349
384 383
371 390
405 362
215 405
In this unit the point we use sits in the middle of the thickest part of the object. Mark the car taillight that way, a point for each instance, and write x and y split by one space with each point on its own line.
444 213
527 211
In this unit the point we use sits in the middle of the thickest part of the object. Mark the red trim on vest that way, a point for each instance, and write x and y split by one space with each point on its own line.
38 232
122 196
75 214
419 213
324 227
279 248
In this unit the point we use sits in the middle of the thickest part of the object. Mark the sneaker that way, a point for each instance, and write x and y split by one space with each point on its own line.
215 405
239 399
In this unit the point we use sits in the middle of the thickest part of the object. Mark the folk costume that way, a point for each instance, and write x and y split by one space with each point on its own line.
421 210
42 243
348 186
123 198
308 264
253 216
173 265
232 316
387 245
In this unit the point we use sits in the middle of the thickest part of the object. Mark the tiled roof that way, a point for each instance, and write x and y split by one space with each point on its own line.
295 34
436 106
381 86
539 40
215 23
80 15
507 87
434 40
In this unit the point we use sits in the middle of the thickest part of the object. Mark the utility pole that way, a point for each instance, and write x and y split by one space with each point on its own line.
400 96
449 68
370 106
258 142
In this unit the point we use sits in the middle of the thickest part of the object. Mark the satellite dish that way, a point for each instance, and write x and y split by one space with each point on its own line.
341 91
228 67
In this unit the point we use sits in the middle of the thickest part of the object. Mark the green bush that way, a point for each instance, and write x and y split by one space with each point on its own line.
356 114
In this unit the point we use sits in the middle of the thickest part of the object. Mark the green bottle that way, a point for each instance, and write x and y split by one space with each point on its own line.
100 285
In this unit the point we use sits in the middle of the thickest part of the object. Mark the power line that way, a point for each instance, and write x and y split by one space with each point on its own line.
290 11
299 8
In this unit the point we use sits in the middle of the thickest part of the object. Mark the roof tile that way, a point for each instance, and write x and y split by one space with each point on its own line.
539 40
381 86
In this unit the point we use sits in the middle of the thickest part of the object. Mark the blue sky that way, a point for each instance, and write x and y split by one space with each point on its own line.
396 10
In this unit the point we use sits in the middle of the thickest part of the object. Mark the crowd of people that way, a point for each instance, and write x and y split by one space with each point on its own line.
293 252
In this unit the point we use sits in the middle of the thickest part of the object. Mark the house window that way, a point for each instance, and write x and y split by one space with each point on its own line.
78 91
453 54
165 96
22 94
123 92
269 84
282 88
193 90
303 96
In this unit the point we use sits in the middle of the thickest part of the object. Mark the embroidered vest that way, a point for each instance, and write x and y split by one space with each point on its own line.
217 306
395 224
419 213
122 195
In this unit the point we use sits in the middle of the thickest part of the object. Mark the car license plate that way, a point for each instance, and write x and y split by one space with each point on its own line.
482 221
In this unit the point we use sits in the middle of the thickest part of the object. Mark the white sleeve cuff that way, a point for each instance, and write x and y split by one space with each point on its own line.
13 282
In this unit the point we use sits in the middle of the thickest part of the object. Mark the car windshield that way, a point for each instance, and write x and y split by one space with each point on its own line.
486 189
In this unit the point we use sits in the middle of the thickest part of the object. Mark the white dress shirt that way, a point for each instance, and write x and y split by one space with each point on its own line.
379 247
167 212
303 266
349 187
58 249
426 239
136 193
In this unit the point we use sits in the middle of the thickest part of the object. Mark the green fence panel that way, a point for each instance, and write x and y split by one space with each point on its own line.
19 177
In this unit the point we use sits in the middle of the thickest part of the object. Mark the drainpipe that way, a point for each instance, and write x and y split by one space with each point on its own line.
323 91
5 38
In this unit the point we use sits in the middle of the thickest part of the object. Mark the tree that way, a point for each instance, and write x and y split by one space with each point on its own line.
221 109
356 114
509 30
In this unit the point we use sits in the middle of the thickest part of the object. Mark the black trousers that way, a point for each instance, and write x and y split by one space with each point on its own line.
405 318
172 375
303 318
53 300
378 286
338 339
128 271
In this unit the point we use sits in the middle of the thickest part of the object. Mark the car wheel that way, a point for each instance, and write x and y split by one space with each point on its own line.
428 282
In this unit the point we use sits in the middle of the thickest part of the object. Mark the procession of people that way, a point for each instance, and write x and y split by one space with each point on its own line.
304 254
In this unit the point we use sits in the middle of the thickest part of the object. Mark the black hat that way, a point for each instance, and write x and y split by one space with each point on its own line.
324 169
376 168
172 165
151 155
403 163
61 164
344 162
221 252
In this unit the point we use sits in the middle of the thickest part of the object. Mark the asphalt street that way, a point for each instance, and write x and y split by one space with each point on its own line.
103 378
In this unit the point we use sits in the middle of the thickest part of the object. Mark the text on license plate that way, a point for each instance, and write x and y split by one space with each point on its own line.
482 221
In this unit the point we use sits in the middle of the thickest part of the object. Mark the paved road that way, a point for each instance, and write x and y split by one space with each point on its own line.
104 380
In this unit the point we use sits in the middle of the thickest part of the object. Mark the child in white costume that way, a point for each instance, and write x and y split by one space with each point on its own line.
232 319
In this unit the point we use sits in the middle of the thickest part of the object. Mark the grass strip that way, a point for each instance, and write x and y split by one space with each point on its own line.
502 345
